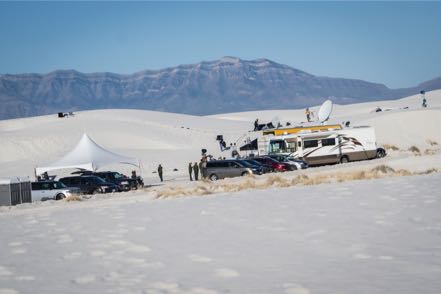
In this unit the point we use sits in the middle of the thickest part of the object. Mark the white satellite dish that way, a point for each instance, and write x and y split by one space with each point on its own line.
325 111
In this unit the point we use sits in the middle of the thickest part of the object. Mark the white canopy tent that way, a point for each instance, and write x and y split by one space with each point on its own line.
87 155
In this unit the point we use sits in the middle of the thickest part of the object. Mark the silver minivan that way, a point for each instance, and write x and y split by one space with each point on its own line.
220 169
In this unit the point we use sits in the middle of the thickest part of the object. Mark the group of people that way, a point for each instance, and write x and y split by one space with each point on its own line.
193 170
196 169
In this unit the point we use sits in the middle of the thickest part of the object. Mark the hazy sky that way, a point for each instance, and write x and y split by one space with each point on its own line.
395 43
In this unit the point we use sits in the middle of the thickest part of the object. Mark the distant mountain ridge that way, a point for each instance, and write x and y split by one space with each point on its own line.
229 84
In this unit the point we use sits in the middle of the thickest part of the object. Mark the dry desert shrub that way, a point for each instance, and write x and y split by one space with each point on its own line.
428 171
299 180
207 188
430 152
431 142
390 147
74 198
402 173
277 181
385 169
414 150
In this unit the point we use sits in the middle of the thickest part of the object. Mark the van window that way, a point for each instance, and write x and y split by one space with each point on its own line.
36 186
310 144
217 164
233 164
291 147
74 181
223 164
328 142
277 146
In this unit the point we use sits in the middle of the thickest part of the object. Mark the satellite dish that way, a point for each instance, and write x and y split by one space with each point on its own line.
325 111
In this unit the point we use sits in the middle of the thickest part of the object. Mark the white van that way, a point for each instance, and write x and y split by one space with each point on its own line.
46 190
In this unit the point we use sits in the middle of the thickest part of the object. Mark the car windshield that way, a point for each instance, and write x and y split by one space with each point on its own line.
117 175
272 159
291 159
58 185
254 162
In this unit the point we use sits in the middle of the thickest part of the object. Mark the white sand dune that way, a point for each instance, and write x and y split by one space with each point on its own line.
174 139
358 236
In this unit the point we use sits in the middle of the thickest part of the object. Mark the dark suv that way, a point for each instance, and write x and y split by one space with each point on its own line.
123 182
89 184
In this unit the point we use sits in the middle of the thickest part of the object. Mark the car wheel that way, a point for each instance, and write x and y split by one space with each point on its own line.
214 177
380 153
60 196
344 159
96 191
245 174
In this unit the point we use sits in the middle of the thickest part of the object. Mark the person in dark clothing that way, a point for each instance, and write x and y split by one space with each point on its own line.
308 114
160 171
196 171
190 171
256 124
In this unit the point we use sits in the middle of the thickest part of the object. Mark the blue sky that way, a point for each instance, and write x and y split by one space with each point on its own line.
395 43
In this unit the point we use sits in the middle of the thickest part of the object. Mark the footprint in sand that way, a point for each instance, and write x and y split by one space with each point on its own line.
198 258
296 289
134 248
226 273
118 242
72 255
199 290
97 253
385 257
361 256
166 287
84 279
139 229
19 251
15 244
65 238
4 271
25 278
134 261
8 291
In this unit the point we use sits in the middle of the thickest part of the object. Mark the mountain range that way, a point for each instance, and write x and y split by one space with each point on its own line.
229 84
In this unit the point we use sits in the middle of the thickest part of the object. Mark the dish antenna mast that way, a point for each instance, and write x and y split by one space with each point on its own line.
325 111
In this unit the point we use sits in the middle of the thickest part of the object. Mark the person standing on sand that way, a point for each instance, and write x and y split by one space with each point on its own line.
190 171
160 171
196 171
308 114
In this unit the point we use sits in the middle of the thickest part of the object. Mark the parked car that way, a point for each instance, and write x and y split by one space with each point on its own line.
274 164
56 190
219 169
123 182
265 168
89 184
295 163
